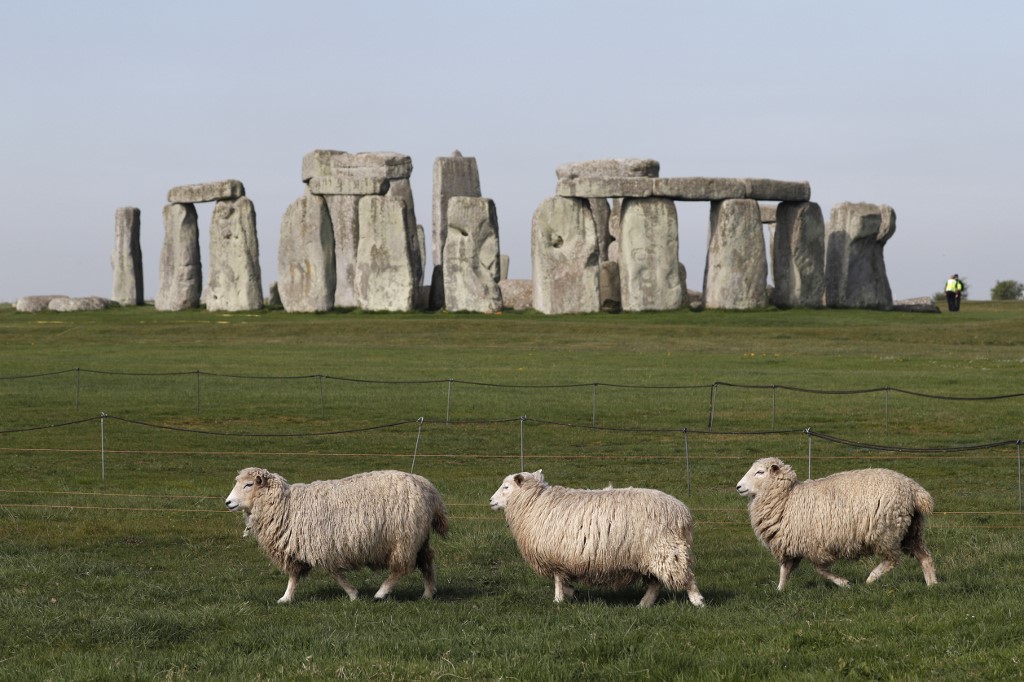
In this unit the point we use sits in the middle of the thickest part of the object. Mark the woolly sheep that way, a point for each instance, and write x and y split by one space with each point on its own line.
378 519
847 515
611 537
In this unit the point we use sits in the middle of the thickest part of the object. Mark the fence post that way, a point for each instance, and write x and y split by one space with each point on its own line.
448 408
686 451
103 453
887 411
773 407
321 378
522 456
1020 498
197 391
593 411
711 411
809 439
78 385
417 448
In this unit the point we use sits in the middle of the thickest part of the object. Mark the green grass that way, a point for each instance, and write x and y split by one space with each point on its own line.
141 574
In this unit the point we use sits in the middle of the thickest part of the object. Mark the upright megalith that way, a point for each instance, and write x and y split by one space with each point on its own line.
471 256
855 275
344 214
384 268
235 282
454 176
127 257
736 269
305 257
798 254
181 272
566 258
649 255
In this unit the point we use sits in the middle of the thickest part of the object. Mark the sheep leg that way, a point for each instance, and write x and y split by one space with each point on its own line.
922 554
289 592
425 562
693 594
785 568
350 589
881 569
563 589
651 595
828 575
385 589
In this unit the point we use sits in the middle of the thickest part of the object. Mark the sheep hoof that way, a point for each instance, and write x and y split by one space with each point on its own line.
284 600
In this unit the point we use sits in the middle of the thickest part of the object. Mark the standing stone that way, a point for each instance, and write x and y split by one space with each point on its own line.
516 294
344 212
502 267
471 251
649 255
566 259
736 270
855 274
609 287
305 257
454 176
402 189
798 254
384 268
181 272
127 257
235 281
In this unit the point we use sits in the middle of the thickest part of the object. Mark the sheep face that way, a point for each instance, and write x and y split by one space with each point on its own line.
247 482
511 484
762 474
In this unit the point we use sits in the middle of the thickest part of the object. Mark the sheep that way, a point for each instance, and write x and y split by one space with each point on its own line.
614 536
847 515
377 519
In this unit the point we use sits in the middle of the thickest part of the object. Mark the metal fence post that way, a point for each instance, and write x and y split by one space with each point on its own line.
522 450
321 378
711 411
1020 497
886 411
448 408
686 451
417 448
78 385
809 439
197 391
773 407
103 453
593 404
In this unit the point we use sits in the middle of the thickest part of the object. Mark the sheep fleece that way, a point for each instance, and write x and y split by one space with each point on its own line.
608 537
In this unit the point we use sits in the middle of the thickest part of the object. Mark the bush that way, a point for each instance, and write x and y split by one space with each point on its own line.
1008 290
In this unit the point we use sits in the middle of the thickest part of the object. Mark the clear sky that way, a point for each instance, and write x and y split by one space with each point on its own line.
917 104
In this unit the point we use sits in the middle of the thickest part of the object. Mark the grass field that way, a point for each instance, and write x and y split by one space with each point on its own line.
118 560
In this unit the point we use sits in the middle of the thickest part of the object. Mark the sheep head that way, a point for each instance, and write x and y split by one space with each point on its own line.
247 483
766 474
512 484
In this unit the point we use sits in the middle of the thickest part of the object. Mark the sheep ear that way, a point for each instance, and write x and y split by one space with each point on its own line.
539 475
260 480
773 468
518 479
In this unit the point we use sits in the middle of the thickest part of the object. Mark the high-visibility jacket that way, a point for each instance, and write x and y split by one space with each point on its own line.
954 285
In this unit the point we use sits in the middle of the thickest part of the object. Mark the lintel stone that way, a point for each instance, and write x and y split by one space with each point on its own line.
776 190
206 191
351 182
609 168
594 187
326 162
699 189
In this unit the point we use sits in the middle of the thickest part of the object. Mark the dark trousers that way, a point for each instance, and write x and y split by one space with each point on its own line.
952 301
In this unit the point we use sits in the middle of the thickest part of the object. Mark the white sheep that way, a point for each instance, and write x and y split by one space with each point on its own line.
378 519
847 515
613 537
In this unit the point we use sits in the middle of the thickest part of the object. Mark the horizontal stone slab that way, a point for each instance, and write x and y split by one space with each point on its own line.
777 190
609 168
327 162
768 212
699 189
598 187
350 183
206 191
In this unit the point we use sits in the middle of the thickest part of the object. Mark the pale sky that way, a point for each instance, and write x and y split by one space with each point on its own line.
919 105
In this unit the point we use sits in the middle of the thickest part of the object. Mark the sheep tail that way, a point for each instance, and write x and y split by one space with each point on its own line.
440 521
923 501
672 564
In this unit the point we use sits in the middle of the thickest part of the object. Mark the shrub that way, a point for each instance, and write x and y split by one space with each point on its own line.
1008 290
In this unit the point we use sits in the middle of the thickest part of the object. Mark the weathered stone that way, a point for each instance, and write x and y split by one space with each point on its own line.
601 214
384 267
401 189
649 256
609 168
454 176
181 272
70 304
736 270
768 213
305 257
516 294
614 229
699 189
471 253
798 255
855 274
344 211
34 304
436 298
609 287
273 299
235 280
566 260
127 257
357 183
776 190
206 191
923 304
326 162
598 187
502 266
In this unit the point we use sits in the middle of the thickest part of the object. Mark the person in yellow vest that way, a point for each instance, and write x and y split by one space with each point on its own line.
953 288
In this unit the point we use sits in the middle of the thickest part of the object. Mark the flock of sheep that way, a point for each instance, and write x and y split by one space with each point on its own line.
612 537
